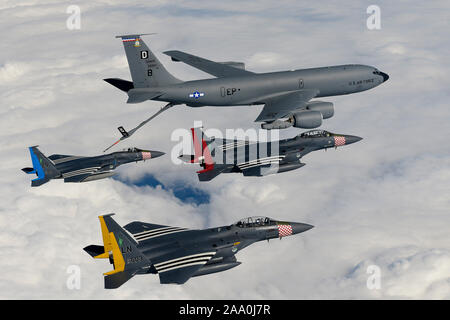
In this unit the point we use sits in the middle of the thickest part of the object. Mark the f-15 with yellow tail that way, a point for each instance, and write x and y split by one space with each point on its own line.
176 254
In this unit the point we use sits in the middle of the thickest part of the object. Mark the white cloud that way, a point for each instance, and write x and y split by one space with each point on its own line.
11 72
405 273
384 201
265 60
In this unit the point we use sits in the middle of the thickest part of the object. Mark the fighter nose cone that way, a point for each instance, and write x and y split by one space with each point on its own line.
156 154
352 139
385 76
300 227
151 154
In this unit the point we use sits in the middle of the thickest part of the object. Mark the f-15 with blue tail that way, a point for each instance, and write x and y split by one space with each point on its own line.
79 168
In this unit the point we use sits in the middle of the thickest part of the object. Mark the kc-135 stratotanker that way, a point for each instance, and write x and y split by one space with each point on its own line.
216 155
286 95
177 254
82 169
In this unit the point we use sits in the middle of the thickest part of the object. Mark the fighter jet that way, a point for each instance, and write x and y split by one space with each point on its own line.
82 169
177 254
217 156
286 95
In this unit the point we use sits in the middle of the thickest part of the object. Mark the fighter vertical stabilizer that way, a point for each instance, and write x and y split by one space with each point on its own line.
122 250
43 167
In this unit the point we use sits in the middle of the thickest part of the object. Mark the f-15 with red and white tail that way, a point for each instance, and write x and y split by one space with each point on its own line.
217 156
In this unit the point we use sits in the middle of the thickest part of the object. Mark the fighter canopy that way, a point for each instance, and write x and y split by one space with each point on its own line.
146 154
255 222
340 139
315 134
284 228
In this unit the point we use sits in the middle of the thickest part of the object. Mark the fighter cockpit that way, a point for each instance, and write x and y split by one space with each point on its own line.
132 150
315 134
254 222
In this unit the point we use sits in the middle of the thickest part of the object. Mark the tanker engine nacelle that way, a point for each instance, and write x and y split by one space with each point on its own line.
309 118
306 119
313 115
325 108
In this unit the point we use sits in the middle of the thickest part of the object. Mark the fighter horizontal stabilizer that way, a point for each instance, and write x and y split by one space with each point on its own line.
94 250
209 174
114 281
28 170
39 181
217 69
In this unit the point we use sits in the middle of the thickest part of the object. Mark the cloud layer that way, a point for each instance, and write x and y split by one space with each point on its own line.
384 201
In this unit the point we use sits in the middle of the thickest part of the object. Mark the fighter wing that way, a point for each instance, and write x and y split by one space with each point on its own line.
143 231
254 167
81 175
77 178
59 158
175 262
281 105
228 144
217 69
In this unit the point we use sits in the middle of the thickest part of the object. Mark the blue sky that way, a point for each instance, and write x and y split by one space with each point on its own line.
184 192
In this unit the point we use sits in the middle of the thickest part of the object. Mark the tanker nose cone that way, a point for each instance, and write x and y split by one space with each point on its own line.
300 227
352 139
385 76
